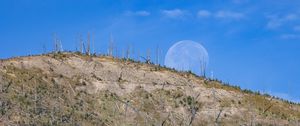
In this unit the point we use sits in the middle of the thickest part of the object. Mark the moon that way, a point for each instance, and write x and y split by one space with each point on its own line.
187 55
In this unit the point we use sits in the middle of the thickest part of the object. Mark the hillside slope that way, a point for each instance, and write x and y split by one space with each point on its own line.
73 89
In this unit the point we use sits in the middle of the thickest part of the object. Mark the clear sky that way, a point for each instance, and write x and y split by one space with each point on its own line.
251 43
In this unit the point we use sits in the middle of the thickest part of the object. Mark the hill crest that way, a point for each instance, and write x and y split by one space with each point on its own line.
70 88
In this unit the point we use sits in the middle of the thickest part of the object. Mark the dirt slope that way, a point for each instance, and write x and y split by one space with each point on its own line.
73 89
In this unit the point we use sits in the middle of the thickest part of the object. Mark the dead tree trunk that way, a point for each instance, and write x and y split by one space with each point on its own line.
110 46
55 42
157 55
88 48
148 55
203 66
93 43
218 117
128 53
80 44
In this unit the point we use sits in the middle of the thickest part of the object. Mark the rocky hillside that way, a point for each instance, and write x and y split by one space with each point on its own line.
75 89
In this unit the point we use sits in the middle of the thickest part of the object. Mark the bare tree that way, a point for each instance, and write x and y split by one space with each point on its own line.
147 58
111 46
93 43
157 55
55 42
84 47
88 48
117 53
128 52
203 66
80 44
60 46
148 55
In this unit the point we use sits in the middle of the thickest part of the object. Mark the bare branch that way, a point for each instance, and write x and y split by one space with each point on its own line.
217 118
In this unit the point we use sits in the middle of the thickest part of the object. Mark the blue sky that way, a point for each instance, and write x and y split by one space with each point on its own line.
254 44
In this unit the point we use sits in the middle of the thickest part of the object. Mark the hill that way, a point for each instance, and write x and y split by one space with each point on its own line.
76 89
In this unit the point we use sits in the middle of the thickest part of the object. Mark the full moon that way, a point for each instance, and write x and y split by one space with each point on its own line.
187 55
